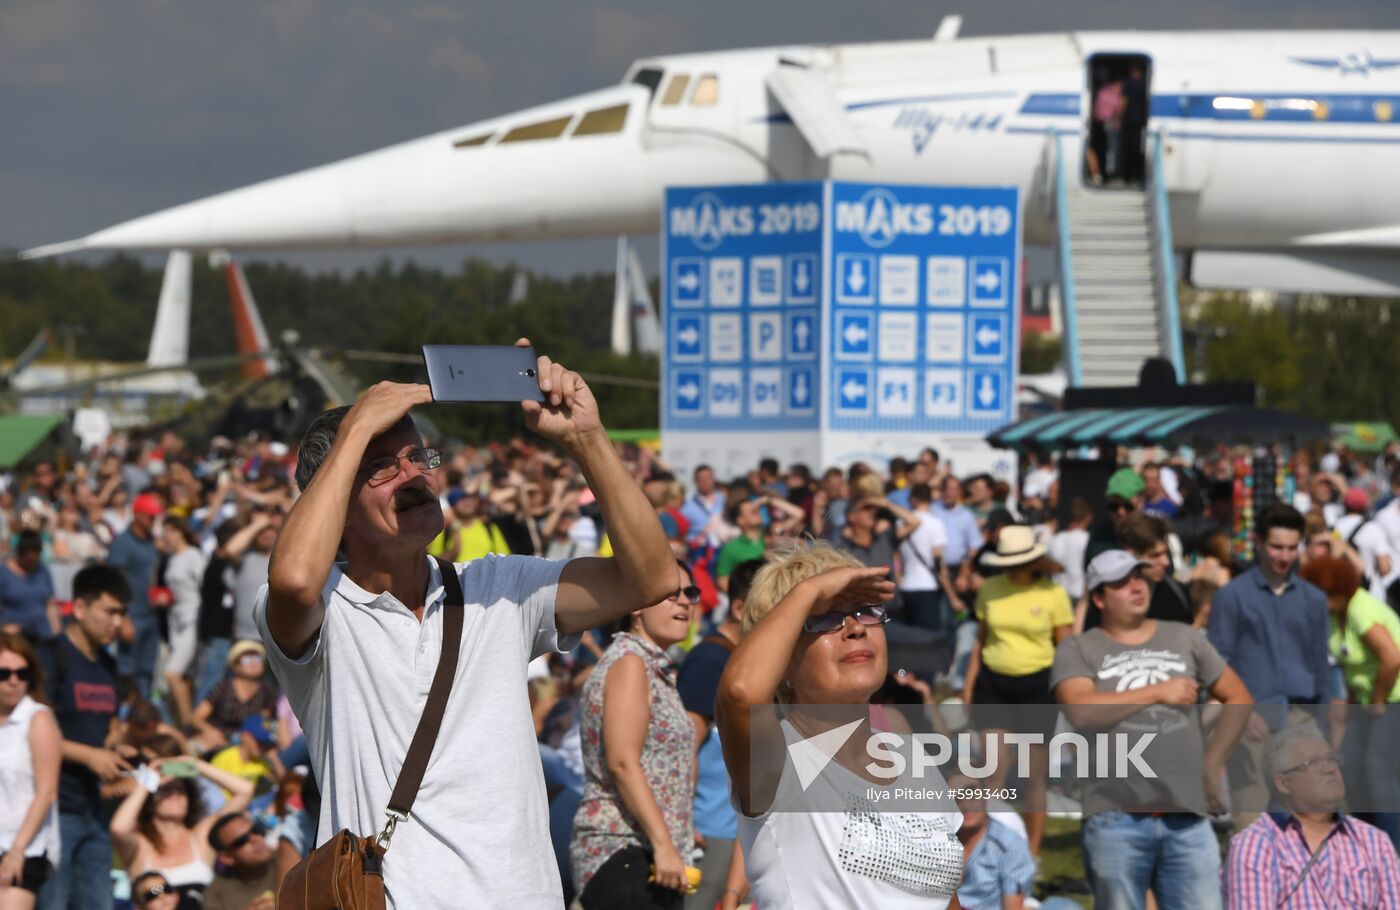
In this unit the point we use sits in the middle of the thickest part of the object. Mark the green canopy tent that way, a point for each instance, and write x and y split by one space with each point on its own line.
22 434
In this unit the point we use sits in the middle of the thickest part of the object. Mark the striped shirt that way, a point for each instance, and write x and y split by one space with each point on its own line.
998 866
1356 869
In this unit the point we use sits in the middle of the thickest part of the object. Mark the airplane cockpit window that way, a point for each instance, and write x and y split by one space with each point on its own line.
706 91
471 141
651 78
545 129
603 120
675 90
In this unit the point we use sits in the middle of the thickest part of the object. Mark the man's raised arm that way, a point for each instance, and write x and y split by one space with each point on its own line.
305 550
595 591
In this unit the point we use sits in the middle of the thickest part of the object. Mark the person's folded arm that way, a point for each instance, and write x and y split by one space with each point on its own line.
1088 709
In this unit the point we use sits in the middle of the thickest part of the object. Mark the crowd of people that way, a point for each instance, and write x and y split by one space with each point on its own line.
214 657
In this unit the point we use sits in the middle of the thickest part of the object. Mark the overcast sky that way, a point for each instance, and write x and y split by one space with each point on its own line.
113 110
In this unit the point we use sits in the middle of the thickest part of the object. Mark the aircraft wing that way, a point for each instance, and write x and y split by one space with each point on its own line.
808 98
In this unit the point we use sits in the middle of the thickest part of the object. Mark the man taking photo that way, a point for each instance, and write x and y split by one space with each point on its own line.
355 643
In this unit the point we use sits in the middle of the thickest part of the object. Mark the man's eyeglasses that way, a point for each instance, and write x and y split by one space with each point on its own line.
22 674
153 892
383 470
241 841
1332 758
689 592
1119 505
868 615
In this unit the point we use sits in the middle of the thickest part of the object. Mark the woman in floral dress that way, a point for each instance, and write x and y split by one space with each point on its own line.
639 755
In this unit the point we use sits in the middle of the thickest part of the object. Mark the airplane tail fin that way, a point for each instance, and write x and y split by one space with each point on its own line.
170 337
248 329
646 331
621 315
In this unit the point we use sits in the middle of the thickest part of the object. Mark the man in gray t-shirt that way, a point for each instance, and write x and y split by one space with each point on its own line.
1134 675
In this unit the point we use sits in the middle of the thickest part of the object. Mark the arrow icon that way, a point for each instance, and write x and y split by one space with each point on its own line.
689 391
854 334
989 280
855 278
800 390
801 332
852 390
987 391
689 336
801 276
689 281
987 336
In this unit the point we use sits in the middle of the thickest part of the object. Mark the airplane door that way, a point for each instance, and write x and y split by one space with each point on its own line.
1119 108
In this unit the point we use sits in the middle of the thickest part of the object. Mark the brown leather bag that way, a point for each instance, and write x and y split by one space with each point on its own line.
347 871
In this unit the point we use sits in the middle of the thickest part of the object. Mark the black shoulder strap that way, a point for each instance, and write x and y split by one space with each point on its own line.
421 748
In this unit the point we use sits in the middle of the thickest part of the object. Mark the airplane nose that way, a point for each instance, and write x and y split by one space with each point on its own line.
575 166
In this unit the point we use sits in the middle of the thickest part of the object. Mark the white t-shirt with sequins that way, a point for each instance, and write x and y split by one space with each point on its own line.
862 857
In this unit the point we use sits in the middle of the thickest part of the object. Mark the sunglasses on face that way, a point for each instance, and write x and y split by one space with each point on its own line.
383 470
153 892
689 592
1120 506
868 615
238 843
22 674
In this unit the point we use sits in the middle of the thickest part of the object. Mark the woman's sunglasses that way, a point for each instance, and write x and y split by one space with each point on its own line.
689 592
153 892
22 674
869 615
238 843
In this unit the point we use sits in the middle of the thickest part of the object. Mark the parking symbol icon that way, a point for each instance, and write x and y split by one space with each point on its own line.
687 282
855 278
765 336
988 282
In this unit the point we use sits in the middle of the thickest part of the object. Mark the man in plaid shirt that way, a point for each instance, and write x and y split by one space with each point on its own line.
1271 863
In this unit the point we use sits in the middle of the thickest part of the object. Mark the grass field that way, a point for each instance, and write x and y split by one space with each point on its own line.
1062 861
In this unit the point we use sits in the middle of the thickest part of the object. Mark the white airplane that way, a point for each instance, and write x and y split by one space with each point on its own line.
1279 149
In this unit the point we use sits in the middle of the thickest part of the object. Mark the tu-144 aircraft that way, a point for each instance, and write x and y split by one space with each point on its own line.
1278 149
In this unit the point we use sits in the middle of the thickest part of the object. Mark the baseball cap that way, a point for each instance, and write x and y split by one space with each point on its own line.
260 728
1109 567
1125 484
456 495
1356 500
148 504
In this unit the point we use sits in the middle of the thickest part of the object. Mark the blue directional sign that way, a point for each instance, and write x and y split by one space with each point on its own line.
989 281
929 273
850 391
802 335
688 339
688 282
739 261
985 392
855 278
854 335
803 279
850 311
986 338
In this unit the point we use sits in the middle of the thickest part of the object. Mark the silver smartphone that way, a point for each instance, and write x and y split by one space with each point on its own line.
482 372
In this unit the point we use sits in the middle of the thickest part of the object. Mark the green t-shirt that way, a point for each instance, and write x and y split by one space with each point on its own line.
739 550
1358 661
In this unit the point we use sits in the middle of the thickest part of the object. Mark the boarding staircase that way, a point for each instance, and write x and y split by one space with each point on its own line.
1117 275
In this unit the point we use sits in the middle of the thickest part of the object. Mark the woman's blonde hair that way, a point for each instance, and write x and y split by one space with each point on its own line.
867 486
786 568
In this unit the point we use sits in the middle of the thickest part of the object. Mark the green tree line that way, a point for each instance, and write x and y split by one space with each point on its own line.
394 309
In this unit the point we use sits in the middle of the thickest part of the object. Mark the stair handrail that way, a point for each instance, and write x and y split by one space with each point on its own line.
1069 344
1166 258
